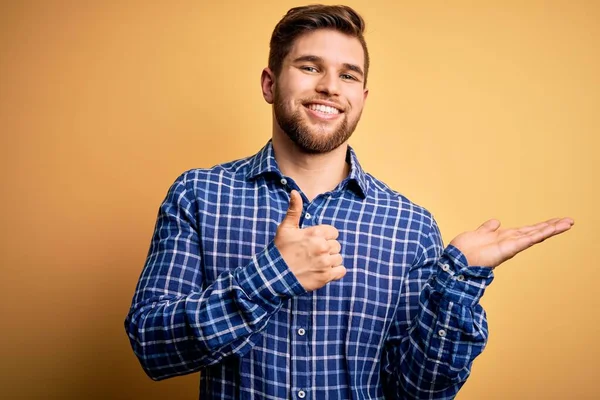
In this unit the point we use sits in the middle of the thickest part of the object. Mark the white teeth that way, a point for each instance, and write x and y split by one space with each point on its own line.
323 109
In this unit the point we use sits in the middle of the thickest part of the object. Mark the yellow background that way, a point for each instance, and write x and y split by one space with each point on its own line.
476 110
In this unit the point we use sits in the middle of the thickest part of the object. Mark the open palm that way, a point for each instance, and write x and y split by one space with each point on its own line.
490 246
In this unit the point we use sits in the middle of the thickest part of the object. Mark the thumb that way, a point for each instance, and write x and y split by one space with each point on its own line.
490 225
292 217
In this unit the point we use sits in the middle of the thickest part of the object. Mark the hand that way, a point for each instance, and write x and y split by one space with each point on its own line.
489 246
312 254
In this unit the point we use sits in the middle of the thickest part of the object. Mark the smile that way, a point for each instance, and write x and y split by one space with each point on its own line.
323 108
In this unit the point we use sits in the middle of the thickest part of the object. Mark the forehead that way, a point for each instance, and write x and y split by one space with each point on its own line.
331 45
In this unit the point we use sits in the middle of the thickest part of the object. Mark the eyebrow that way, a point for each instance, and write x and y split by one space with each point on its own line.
317 59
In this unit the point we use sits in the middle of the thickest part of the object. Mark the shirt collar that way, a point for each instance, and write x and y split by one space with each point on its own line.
264 163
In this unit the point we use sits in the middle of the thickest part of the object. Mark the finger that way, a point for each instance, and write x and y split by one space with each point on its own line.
489 226
564 225
550 230
292 217
571 221
335 260
334 246
337 273
522 231
536 236
528 229
539 225
327 232
516 244
559 223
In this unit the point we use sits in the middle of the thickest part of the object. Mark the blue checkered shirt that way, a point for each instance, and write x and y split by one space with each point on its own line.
216 296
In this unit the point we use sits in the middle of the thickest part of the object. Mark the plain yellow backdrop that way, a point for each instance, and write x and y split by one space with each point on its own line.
476 110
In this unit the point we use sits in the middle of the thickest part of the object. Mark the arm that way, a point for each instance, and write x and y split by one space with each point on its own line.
177 324
436 337
439 327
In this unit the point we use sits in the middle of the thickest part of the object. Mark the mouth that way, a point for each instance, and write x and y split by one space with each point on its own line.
323 110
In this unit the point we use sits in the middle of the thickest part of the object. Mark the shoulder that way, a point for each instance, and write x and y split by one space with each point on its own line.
230 170
413 220
204 184
219 174
411 213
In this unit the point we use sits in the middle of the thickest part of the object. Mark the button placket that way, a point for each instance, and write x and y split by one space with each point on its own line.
310 217
300 355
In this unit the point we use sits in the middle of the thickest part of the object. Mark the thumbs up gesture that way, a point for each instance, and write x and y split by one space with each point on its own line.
312 254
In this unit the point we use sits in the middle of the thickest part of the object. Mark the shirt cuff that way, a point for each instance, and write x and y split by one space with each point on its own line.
267 279
457 281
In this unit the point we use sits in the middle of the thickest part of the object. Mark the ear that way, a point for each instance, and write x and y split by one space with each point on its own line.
267 81
365 94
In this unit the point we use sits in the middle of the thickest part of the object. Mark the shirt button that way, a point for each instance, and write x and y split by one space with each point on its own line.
460 278
302 394
301 332
442 333
308 216
445 267
283 181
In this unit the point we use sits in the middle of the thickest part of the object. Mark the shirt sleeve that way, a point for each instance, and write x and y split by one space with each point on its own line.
177 324
439 327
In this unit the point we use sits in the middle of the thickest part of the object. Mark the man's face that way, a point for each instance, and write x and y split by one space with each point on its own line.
319 94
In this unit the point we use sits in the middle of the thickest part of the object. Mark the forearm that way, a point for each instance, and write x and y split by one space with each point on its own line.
434 358
181 333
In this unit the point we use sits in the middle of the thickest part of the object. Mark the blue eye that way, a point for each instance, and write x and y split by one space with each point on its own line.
309 69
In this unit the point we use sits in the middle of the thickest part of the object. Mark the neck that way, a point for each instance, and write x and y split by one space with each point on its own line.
313 173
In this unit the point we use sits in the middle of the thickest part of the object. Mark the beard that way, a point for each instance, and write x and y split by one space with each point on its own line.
311 139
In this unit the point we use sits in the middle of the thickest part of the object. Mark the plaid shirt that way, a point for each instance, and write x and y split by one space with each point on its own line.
216 296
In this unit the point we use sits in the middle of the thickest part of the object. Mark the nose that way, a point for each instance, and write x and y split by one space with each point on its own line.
328 84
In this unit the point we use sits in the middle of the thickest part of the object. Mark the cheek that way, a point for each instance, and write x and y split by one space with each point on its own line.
357 103
289 95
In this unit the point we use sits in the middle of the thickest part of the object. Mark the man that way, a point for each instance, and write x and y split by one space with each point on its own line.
295 274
